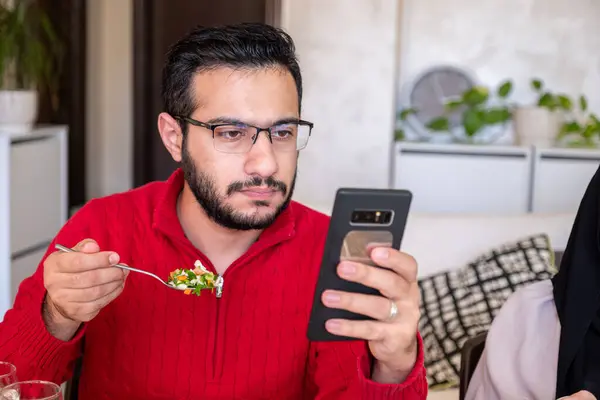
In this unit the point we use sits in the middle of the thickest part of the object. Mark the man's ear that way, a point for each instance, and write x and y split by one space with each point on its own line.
171 135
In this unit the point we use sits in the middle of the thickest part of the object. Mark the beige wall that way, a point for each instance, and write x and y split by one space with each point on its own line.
109 97
347 51
555 40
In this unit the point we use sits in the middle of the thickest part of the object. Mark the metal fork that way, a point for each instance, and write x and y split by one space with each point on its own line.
122 266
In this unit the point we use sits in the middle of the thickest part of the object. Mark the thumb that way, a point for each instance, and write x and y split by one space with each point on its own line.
585 395
581 395
87 246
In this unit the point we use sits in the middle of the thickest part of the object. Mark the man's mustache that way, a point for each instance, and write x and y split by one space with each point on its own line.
269 182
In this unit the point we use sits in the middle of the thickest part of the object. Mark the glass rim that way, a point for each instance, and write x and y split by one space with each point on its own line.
52 385
300 144
11 367
246 150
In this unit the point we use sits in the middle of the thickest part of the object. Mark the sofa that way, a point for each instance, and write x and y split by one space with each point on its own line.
445 242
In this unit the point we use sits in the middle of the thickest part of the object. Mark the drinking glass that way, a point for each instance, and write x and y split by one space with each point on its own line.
31 390
8 374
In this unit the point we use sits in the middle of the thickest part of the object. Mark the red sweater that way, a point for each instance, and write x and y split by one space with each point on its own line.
155 343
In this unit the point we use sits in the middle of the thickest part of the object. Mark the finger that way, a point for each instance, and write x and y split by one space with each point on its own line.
90 295
373 245
89 310
125 271
95 277
80 262
87 246
401 263
364 330
389 283
84 246
377 307
584 395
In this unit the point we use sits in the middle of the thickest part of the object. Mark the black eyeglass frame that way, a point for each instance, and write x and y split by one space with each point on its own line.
212 127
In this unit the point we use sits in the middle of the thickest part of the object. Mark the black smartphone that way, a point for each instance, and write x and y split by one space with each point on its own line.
361 220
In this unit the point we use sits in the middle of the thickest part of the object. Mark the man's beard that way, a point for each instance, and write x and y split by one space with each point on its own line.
204 189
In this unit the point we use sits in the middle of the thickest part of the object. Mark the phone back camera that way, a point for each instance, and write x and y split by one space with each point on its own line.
371 217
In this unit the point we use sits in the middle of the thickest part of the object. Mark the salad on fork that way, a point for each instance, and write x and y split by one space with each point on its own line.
195 280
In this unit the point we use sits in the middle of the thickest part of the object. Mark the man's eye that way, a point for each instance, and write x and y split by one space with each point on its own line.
283 134
231 134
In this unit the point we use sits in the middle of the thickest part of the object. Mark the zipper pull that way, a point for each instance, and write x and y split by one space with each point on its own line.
219 285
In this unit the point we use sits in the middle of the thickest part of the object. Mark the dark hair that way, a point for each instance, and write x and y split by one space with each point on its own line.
248 45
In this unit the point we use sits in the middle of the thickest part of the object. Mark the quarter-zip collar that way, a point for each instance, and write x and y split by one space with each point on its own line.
165 219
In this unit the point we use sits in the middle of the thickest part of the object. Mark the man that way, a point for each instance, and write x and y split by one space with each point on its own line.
232 119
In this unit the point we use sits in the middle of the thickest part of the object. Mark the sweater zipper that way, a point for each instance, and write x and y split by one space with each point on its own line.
219 286
216 364
213 362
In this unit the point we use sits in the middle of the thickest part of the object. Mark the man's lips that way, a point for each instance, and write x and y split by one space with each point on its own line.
259 192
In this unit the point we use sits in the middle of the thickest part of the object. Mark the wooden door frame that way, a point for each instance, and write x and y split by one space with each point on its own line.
143 27
273 13
71 27
142 147
77 125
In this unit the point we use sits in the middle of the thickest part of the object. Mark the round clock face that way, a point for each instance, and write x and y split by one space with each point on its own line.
431 91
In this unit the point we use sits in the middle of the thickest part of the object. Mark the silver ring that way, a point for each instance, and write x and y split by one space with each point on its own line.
393 310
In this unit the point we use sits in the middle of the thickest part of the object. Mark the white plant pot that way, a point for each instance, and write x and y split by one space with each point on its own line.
536 126
18 110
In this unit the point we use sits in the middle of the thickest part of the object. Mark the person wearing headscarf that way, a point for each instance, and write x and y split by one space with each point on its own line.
545 341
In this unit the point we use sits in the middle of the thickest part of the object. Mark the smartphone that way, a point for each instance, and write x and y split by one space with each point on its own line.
361 220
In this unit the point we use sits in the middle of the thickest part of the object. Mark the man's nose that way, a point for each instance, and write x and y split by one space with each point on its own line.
261 157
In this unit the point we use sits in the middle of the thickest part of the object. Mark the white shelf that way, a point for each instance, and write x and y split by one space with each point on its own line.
464 178
454 178
561 178
33 202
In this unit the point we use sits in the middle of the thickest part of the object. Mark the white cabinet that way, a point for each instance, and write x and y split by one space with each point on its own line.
463 178
33 202
453 178
561 178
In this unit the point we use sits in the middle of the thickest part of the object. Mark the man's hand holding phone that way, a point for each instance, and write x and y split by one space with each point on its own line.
392 335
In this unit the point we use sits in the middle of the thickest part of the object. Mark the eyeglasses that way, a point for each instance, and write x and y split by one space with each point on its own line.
237 137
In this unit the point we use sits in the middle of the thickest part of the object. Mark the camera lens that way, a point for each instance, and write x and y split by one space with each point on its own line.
371 217
386 217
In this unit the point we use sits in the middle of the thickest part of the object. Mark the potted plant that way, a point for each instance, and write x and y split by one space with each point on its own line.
476 113
540 123
580 128
30 56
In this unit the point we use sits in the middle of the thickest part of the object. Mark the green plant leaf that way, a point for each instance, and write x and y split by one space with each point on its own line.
569 128
403 114
439 124
475 96
472 122
505 89
588 131
399 135
583 104
594 125
564 102
548 101
537 84
496 115
453 105
572 127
